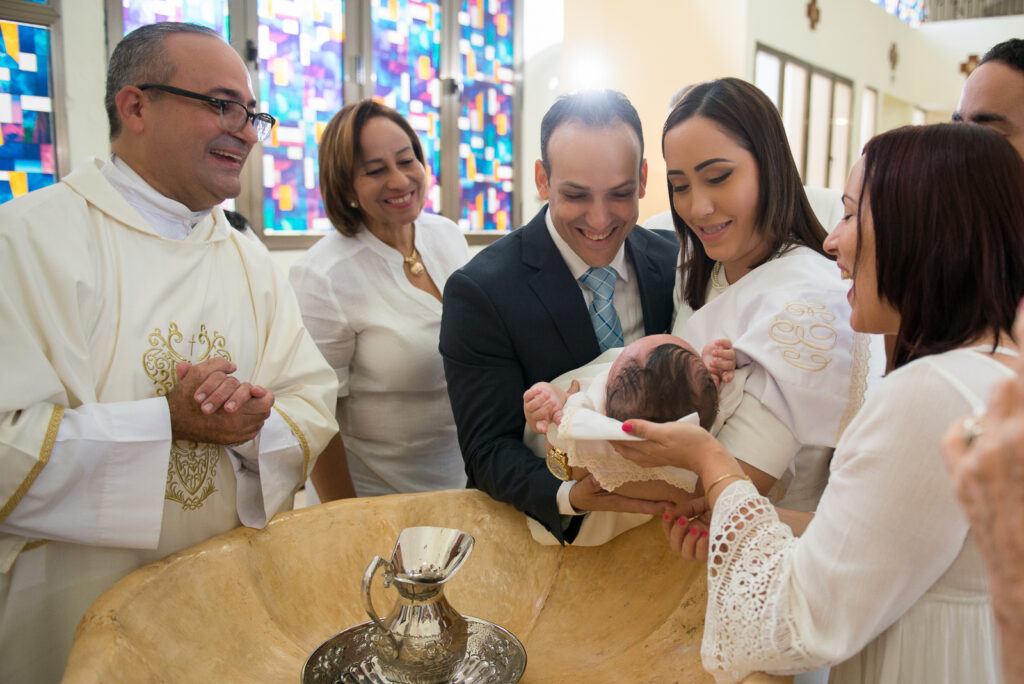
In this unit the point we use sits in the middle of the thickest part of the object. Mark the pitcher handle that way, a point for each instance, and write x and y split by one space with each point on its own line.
371 569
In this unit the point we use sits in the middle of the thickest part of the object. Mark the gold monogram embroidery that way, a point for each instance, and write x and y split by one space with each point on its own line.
193 465
808 337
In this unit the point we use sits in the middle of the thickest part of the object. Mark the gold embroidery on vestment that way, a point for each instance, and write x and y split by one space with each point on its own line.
302 441
193 465
807 335
162 357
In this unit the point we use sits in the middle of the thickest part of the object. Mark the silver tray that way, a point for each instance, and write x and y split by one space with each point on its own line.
493 656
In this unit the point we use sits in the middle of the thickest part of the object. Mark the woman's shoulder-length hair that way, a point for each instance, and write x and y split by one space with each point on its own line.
947 206
340 153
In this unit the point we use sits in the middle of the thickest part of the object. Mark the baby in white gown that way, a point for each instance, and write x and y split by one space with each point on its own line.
658 378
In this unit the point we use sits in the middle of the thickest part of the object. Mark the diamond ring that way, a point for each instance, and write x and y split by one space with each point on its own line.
972 428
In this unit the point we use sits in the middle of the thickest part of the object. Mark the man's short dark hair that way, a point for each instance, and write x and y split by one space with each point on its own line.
596 108
140 58
1009 52
673 383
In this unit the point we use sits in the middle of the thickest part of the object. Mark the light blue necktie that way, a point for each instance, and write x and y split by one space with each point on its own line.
601 281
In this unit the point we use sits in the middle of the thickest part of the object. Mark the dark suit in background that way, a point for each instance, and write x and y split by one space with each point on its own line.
513 316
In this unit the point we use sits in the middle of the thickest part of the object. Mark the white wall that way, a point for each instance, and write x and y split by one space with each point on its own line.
542 53
83 26
950 43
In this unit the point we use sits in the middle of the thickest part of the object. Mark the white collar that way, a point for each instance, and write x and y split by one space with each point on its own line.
169 218
577 266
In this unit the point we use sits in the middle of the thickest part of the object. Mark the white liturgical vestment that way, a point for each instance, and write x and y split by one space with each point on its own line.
97 309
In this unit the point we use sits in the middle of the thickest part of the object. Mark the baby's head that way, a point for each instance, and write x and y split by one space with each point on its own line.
660 378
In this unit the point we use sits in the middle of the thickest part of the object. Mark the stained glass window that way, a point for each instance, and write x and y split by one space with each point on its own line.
485 119
300 45
300 65
26 118
406 60
211 13
908 11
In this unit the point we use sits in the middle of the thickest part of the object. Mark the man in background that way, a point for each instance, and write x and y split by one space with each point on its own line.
159 388
994 93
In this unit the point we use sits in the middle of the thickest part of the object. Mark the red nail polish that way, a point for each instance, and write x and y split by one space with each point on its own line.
693 530
704 533
627 427
667 516
681 522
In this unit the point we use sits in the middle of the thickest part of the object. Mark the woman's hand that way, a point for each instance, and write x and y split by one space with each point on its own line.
675 444
686 528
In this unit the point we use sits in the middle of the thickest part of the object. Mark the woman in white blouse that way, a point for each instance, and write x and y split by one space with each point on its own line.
885 581
370 295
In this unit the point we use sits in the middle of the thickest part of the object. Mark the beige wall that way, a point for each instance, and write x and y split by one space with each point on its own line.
651 47
648 49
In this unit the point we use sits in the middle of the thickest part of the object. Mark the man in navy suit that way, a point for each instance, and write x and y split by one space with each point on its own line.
519 312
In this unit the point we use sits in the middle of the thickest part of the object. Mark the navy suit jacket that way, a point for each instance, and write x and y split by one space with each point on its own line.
514 316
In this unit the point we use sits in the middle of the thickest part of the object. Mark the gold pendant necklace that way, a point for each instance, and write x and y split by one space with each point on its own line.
413 260
415 267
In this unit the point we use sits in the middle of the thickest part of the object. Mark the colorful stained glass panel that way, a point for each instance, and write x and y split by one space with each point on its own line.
210 13
908 11
26 106
406 61
300 65
485 119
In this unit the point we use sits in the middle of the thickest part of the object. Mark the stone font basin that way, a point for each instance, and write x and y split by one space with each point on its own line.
251 605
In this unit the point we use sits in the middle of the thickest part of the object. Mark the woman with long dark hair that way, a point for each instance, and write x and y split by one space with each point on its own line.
885 584
754 271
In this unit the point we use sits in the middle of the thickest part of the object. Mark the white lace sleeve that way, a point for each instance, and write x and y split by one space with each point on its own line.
748 627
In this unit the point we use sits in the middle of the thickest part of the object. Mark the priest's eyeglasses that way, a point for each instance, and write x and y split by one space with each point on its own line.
233 115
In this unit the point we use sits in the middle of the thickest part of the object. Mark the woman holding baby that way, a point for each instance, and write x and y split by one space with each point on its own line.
885 583
754 271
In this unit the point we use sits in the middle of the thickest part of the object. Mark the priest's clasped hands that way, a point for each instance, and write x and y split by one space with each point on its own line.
209 405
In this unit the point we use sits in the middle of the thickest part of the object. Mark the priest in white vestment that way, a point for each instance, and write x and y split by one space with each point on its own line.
159 387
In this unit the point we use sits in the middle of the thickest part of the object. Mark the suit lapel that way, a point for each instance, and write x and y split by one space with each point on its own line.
651 280
558 292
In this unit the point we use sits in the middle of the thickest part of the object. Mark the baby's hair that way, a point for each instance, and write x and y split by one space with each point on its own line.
673 383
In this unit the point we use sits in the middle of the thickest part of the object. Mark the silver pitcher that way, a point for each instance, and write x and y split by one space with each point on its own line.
423 639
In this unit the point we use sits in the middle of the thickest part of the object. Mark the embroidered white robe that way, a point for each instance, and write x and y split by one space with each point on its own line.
96 310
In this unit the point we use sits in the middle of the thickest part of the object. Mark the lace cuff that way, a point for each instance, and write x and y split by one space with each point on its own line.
749 627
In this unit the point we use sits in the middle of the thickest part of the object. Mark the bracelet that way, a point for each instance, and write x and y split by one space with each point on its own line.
707 490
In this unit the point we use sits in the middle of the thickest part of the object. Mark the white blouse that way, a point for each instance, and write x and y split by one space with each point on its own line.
886 584
380 334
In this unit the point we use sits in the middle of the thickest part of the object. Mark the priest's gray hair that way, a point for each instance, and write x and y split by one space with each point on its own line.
140 58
